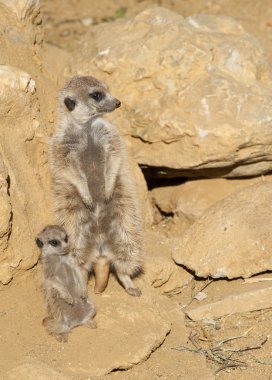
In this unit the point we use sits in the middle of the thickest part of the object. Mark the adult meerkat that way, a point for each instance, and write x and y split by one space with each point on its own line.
63 284
94 193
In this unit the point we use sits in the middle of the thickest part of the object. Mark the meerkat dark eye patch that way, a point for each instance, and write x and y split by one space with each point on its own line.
70 104
54 242
66 239
39 243
97 96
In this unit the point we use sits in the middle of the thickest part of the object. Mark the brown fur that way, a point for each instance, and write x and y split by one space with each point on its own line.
63 284
94 193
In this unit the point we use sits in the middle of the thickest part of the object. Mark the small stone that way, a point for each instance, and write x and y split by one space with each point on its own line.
200 296
15 78
87 21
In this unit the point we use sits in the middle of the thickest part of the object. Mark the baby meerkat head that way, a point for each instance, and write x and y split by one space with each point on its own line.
84 98
53 240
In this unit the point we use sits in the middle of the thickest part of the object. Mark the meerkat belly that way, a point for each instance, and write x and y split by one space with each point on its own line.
94 167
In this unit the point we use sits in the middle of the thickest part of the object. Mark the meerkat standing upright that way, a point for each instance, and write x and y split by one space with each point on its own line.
64 285
94 193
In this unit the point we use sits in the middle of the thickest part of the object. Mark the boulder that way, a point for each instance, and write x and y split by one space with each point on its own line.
159 269
25 198
192 198
196 91
232 238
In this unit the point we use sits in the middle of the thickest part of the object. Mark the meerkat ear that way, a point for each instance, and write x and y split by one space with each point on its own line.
70 104
39 243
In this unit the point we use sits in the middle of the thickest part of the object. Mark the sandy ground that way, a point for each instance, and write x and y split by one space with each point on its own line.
27 352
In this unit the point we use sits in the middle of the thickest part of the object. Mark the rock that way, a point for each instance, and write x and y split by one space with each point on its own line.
250 300
22 8
159 269
5 223
25 199
142 193
192 198
196 91
232 238
16 79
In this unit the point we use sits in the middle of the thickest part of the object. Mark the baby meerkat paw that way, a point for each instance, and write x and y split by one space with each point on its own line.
84 295
63 338
69 299
135 292
91 324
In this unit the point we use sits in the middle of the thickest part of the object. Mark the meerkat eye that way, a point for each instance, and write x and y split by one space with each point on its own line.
54 242
66 239
97 96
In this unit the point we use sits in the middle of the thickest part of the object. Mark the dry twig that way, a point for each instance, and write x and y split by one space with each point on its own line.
218 354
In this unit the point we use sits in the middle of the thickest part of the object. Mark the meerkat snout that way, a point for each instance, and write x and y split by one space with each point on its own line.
118 103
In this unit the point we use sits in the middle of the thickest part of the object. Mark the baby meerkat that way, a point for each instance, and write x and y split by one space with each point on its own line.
63 284
94 193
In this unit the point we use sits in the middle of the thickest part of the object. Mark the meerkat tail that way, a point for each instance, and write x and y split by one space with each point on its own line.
101 274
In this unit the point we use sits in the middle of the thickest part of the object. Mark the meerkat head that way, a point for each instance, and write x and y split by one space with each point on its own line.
53 240
84 98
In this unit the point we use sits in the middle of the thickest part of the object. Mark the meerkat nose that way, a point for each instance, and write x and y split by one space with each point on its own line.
117 103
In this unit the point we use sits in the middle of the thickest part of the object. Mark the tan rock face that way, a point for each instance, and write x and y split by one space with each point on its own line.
232 238
192 198
160 270
196 92
25 200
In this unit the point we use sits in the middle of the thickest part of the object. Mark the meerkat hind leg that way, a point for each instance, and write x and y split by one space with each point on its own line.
128 284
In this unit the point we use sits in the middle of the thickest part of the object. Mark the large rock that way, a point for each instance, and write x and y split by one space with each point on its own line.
25 198
5 222
159 269
196 92
232 238
190 199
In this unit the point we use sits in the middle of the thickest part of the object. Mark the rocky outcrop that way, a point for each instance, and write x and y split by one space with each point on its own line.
160 270
24 178
190 199
196 91
232 238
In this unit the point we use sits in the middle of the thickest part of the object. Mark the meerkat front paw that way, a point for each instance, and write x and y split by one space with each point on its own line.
136 292
108 197
88 203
